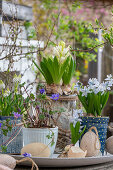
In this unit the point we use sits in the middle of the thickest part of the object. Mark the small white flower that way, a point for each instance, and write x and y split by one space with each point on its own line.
78 86
7 93
78 112
93 82
109 77
85 91
76 116
17 79
2 85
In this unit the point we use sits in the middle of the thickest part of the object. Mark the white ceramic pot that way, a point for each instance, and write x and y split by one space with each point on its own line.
31 135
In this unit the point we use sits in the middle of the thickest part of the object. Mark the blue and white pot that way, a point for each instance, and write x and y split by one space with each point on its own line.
101 123
16 145
32 135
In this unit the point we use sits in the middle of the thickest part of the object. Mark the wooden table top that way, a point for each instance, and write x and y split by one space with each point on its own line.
106 166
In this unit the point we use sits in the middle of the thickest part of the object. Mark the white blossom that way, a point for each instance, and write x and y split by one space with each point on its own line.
61 52
6 93
78 86
85 91
76 116
109 77
95 87
17 79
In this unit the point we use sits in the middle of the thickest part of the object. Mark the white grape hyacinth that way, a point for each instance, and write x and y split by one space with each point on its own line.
2 85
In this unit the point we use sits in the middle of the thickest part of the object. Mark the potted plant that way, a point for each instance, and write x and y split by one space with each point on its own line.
11 110
94 97
58 70
76 131
38 121
56 67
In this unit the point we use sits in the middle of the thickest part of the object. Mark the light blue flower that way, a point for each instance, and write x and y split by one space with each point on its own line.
78 86
93 82
76 116
85 91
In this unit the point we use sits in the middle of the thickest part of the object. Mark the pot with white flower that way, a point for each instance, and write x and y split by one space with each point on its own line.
94 97
76 131
58 70
11 110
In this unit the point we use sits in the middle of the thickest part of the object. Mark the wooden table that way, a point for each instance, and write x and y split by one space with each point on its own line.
106 166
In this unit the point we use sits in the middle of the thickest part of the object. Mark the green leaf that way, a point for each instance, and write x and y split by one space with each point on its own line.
75 132
45 71
67 76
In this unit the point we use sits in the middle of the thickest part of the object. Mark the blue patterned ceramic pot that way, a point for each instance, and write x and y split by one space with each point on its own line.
16 145
101 124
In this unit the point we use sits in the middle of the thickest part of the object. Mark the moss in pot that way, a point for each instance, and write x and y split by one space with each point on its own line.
94 97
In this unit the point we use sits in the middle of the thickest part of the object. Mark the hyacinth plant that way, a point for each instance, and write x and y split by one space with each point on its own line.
95 95
59 66
76 131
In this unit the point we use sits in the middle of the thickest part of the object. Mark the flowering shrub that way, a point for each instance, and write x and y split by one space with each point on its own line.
95 95
59 66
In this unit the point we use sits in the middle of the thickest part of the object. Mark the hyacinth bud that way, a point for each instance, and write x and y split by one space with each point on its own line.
2 85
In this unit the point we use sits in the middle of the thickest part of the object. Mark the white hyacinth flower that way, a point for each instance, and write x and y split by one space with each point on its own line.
61 52
2 85
17 79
